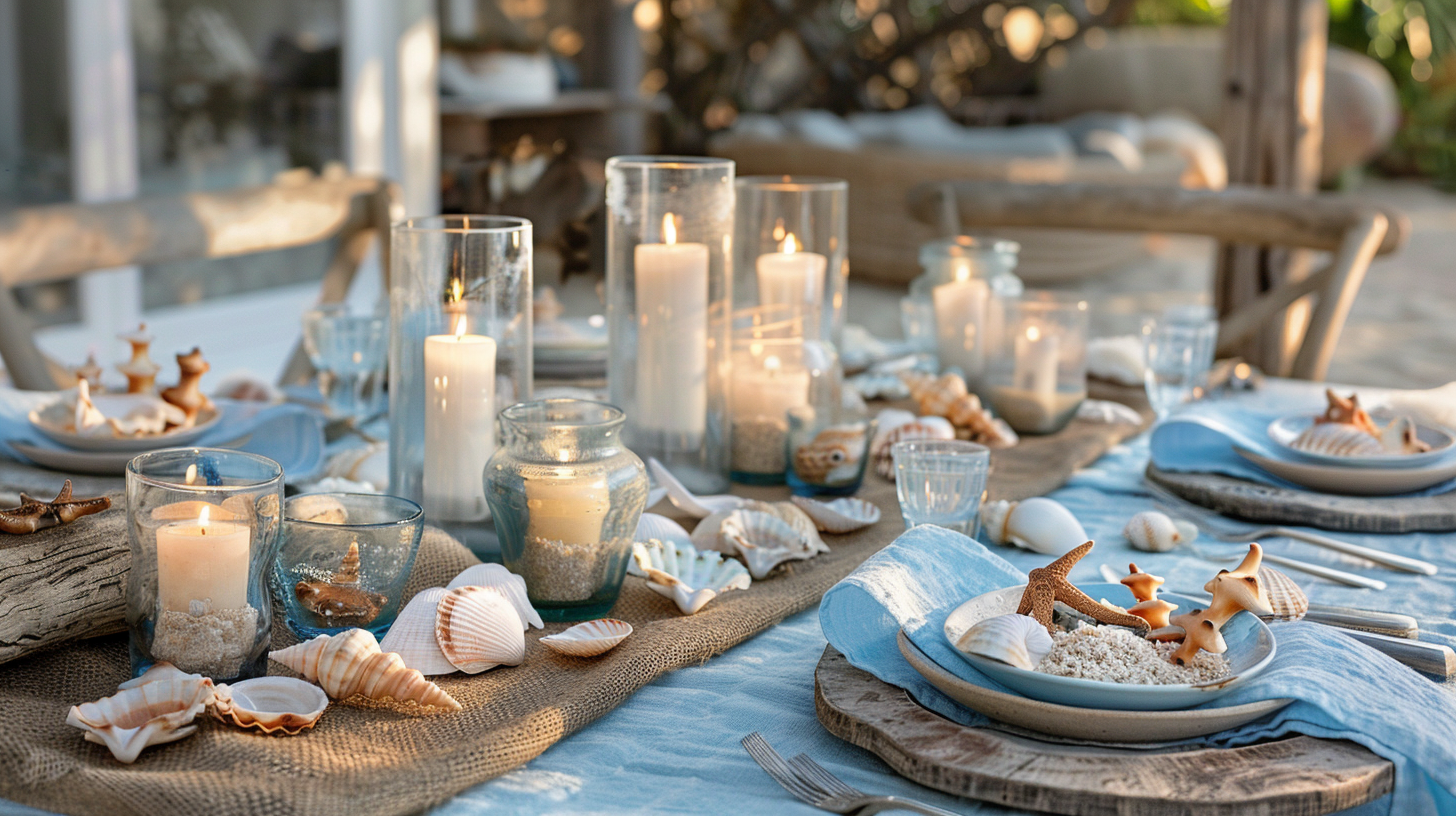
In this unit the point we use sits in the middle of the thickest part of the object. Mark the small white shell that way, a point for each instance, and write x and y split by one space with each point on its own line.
1119 359
1108 412
1152 531
888 420
1016 640
478 629
412 636
270 704
1284 596
1038 524
589 639
708 534
690 578
150 714
662 528
840 515
684 499
510 585
1337 439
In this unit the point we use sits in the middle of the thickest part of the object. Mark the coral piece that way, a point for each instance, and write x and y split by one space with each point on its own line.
833 456
351 663
1154 610
1400 437
589 639
1016 640
1045 586
150 714
140 370
340 599
1038 524
187 393
1200 633
1346 411
1233 591
34 514
1144 585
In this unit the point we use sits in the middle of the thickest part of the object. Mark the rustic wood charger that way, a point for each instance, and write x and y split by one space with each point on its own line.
1298 775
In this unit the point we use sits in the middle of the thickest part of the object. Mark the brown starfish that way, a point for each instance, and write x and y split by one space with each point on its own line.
34 514
1047 585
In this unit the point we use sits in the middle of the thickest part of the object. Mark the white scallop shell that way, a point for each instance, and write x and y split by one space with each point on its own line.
1152 531
412 636
150 714
1016 640
684 499
926 427
589 639
1337 439
708 534
764 541
690 578
510 585
161 670
840 515
1038 524
662 528
1283 595
478 629
277 704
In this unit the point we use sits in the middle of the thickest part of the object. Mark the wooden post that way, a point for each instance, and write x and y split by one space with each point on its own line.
1274 65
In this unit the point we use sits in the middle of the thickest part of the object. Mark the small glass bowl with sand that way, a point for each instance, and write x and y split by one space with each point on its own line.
1040 376
345 559
204 530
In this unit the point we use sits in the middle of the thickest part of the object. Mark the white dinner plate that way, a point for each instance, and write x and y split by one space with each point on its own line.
1350 481
57 411
1285 430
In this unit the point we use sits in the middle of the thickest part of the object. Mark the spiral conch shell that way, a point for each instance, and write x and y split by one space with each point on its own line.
1152 531
1038 524
1016 640
351 662
152 713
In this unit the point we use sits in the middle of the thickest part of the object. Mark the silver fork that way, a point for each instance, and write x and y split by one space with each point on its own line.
810 783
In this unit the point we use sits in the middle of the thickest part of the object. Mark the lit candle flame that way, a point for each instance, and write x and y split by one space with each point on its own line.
460 327
669 229
771 363
202 518
791 244
1033 333
457 290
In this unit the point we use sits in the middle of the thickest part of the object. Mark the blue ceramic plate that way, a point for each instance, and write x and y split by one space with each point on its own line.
1285 430
1250 649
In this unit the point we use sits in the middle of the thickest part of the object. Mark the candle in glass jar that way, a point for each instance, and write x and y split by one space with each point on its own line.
671 287
564 509
202 560
791 277
960 323
459 423
768 389
1036 353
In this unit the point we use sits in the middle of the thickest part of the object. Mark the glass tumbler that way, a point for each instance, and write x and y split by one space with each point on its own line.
349 352
941 482
204 531
345 559
1178 353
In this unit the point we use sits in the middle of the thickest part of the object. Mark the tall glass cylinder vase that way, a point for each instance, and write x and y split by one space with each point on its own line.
459 353
789 248
669 235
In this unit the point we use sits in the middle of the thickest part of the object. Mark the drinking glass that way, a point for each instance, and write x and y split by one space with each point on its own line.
349 352
941 482
1177 355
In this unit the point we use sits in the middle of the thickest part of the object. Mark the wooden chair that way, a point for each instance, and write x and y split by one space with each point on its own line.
1352 231
60 242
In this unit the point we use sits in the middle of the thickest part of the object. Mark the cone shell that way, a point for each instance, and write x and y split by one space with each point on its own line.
478 629
1038 524
1016 640
153 713
351 662
273 705
689 577
764 541
1152 531
1337 439
589 639
926 427
1285 597
507 583
839 516
412 636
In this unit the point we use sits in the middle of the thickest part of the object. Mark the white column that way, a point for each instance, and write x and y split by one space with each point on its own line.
103 144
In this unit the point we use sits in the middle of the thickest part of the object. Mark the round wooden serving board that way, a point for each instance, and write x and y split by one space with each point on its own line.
1299 775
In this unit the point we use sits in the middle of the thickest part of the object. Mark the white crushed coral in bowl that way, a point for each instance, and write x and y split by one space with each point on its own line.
1115 655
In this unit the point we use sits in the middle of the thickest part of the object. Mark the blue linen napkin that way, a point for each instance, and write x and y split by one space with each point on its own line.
1341 689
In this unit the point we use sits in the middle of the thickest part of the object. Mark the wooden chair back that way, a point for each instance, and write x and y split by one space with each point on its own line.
1353 232
40 244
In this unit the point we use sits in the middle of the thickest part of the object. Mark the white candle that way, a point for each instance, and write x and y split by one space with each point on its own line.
1036 361
791 277
459 423
201 560
960 324
671 282
568 510
768 390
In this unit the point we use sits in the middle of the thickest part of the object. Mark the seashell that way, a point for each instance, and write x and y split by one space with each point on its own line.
318 509
764 540
684 500
879 385
1038 524
281 705
589 639
926 427
690 578
662 528
886 421
478 629
936 397
833 456
1400 437
340 599
1285 597
1152 531
840 515
1016 640
87 416
1108 412
1337 439
368 464
507 583
976 424
150 714
707 535
412 636
1118 359
351 662
161 670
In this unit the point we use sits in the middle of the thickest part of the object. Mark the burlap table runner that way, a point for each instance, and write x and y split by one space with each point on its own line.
365 759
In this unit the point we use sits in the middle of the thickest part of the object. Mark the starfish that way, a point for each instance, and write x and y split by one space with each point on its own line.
1047 585
34 514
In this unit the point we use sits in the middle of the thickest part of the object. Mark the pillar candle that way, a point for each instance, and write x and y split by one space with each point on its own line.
671 287
568 510
960 324
768 389
1036 353
459 423
792 278
200 559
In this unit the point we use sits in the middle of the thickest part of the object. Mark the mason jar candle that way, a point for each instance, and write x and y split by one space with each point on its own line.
1040 376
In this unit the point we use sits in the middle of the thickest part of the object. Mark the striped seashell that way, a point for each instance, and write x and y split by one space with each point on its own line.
833 457
351 662
412 635
839 516
689 578
1016 640
504 581
1152 531
938 398
1337 439
764 541
478 629
589 639
1284 596
927 427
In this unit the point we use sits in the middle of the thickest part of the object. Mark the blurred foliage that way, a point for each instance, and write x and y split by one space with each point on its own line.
1180 12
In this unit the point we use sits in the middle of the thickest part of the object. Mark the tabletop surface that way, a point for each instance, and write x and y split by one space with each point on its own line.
674 746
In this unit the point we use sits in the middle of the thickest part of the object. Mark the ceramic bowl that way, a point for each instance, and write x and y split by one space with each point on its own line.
1250 650
1285 430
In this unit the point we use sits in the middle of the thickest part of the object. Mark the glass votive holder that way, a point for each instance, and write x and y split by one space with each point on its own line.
566 495
1040 377
828 450
961 301
349 352
772 375
345 559
790 248
1178 351
941 482
204 530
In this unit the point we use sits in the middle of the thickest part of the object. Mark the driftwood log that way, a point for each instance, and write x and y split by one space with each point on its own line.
64 583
